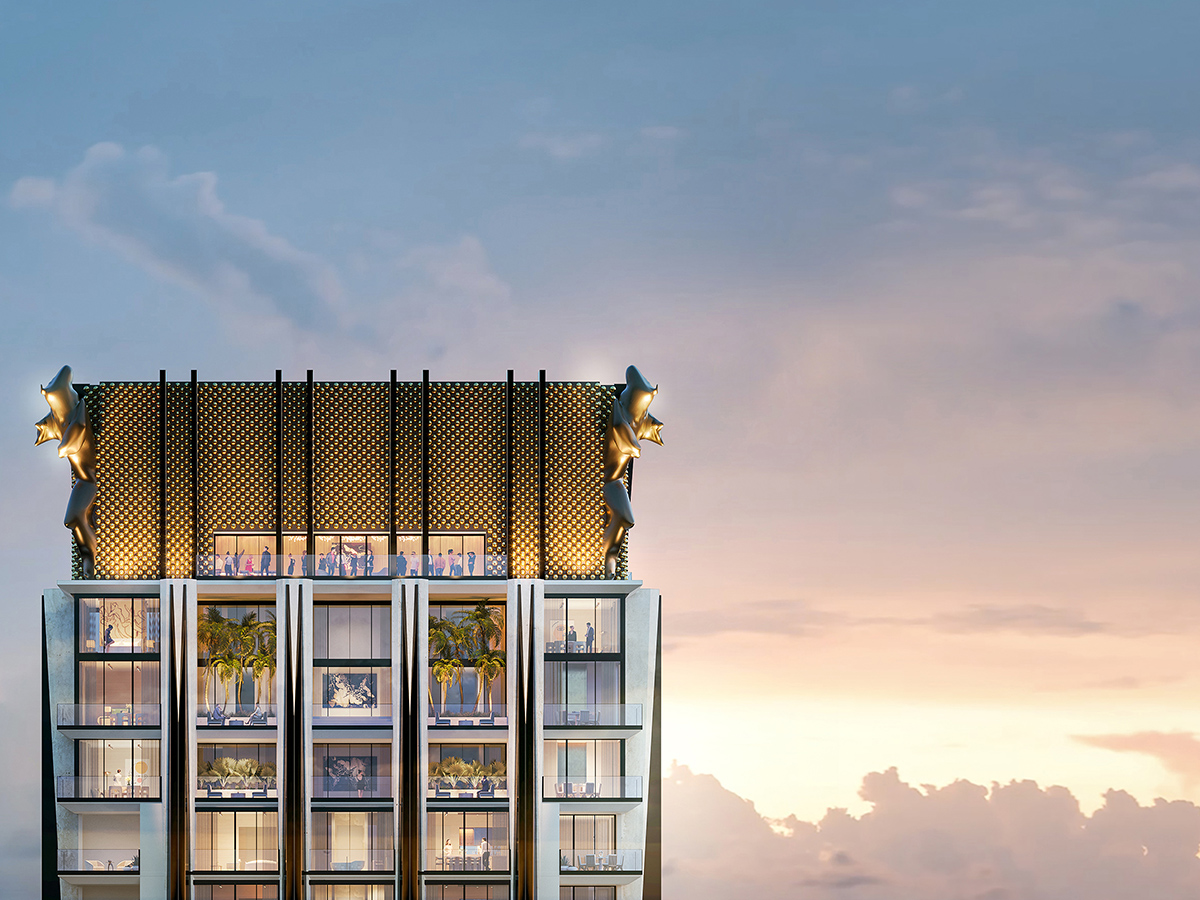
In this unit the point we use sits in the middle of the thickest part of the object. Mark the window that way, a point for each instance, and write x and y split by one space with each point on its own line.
580 837
582 892
351 892
467 842
583 625
352 632
362 693
587 770
236 891
118 625
241 841
236 771
581 685
244 555
352 770
475 771
118 692
236 655
459 555
474 891
351 555
352 841
466 676
117 769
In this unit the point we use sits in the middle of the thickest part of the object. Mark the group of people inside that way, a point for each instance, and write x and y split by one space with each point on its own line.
342 561
485 853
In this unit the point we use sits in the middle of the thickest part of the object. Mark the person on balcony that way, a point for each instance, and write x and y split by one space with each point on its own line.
471 562
402 564
590 636
439 565
264 567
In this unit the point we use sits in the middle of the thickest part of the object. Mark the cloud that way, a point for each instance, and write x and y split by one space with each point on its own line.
1178 751
563 146
1023 619
1171 179
179 229
959 842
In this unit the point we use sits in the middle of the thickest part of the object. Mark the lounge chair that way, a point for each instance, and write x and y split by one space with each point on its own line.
126 864
94 864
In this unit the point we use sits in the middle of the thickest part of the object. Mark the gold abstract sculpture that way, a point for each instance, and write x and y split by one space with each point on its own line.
67 422
629 425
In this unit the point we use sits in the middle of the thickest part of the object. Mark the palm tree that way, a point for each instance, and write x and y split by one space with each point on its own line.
245 643
212 638
489 667
485 624
263 661
446 671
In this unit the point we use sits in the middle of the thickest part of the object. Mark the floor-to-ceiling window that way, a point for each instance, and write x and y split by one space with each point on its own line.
467 842
116 769
352 841
587 770
117 663
352 668
236 841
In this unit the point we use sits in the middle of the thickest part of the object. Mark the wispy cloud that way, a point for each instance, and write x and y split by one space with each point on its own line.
1178 751
563 146
178 228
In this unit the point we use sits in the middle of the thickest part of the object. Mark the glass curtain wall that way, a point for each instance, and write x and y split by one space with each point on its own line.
119 625
352 673
241 891
583 768
583 840
352 892
352 770
115 769
236 649
236 771
466 892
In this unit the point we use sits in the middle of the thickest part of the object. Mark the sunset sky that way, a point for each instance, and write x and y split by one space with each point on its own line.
919 282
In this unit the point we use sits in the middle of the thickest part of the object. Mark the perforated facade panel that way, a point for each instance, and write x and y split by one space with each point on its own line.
350 480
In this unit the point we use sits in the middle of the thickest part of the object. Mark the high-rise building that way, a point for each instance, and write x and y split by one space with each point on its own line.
365 640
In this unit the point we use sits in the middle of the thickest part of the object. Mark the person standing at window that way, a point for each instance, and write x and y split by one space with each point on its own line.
108 638
264 567
439 565
291 564
369 562
590 636
228 564
249 565
452 563
402 564
485 854
447 851
471 562
353 564
572 640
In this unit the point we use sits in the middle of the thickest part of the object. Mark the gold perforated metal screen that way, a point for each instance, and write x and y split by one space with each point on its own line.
525 562
466 463
295 515
237 460
179 480
126 430
408 457
350 481
575 512
236 465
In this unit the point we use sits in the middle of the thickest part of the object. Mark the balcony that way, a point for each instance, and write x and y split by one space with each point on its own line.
122 861
209 787
629 861
612 787
602 715
108 715
466 859
467 715
353 860
100 787
262 716
347 787
468 788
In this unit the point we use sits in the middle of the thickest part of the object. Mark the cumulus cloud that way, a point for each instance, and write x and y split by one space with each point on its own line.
178 228
959 842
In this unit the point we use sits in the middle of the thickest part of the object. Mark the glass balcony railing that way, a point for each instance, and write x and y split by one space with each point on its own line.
600 861
103 715
467 788
350 566
348 787
467 714
351 716
212 787
123 861
466 859
352 860
612 787
613 715
103 787
262 716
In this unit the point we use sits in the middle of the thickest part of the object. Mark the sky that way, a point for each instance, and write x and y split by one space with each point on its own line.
919 285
